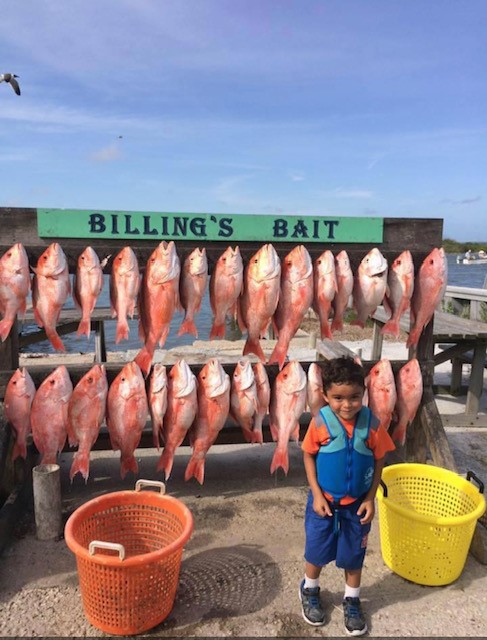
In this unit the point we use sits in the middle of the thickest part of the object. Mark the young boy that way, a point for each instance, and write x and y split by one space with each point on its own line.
343 452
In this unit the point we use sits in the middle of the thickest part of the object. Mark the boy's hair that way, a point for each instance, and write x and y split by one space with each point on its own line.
343 371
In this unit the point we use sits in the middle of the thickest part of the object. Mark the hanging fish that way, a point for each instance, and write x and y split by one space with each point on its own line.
19 394
295 299
14 287
182 405
87 286
124 288
192 287
288 402
213 407
50 289
86 413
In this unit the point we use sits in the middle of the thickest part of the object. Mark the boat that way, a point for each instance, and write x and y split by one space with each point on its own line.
471 258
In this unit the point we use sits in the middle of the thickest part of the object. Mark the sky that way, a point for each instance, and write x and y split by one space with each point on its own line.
307 107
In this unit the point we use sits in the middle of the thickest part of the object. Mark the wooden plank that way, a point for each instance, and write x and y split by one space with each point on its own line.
420 234
436 438
463 420
476 385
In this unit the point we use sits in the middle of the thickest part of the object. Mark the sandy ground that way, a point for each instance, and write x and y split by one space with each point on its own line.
242 566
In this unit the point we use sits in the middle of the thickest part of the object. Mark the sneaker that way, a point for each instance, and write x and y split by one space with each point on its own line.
311 607
355 624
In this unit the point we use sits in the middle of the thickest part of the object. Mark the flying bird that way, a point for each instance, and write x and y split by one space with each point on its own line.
10 77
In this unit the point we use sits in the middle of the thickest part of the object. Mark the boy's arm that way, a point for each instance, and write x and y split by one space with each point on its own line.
367 508
320 504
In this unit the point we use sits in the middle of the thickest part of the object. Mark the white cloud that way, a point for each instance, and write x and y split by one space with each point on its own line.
110 153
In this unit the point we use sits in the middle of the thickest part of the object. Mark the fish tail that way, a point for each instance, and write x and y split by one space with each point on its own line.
84 327
80 464
337 324
414 336
217 330
55 340
253 346
122 332
128 463
156 435
188 326
278 355
358 323
325 329
144 360
19 449
391 328
5 326
49 457
280 459
399 433
166 462
257 437
195 469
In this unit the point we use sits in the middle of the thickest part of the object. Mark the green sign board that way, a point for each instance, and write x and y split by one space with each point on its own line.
229 227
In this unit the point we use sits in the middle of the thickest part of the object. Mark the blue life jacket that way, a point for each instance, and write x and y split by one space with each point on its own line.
345 466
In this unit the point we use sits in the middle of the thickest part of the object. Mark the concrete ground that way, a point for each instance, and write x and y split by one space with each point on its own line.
242 566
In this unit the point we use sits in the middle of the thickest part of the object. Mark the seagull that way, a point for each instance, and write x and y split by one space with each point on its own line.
10 77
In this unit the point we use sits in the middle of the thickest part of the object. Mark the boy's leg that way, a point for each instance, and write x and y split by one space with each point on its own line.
317 553
352 546
309 594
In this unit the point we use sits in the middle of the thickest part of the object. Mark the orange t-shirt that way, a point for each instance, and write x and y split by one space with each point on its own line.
379 442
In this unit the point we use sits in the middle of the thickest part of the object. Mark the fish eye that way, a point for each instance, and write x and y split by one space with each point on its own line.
90 379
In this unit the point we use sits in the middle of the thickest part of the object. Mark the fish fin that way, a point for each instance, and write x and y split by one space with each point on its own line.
217 330
144 360
278 355
128 463
156 435
188 326
195 469
19 450
5 326
391 328
295 433
84 327
166 462
122 332
274 431
280 459
253 346
55 340
80 464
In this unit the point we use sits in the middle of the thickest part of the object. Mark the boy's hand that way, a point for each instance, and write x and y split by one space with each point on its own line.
321 506
367 509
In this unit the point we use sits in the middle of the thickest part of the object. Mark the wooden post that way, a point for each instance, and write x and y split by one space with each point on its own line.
476 379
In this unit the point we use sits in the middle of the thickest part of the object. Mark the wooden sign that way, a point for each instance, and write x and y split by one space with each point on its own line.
76 223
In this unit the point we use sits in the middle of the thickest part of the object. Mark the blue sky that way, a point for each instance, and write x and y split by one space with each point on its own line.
356 108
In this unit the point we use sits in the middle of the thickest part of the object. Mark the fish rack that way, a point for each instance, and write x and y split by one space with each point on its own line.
426 436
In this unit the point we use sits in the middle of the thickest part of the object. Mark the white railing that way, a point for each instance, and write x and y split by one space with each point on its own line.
458 296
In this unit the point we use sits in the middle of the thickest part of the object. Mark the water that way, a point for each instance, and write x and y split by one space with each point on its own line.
458 274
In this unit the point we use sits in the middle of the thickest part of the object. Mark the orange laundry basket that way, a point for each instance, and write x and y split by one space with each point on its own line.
128 547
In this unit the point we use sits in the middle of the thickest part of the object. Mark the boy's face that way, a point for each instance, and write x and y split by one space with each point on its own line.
345 400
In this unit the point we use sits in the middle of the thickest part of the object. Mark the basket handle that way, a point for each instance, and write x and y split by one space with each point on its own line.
471 475
150 483
384 488
112 546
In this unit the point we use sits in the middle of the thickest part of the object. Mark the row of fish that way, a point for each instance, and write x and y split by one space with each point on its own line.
180 404
266 292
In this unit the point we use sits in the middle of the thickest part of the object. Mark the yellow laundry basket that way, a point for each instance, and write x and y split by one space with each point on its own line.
427 517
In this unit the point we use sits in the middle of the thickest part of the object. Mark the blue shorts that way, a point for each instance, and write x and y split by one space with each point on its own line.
340 538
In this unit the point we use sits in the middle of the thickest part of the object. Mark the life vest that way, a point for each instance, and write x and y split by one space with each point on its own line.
345 466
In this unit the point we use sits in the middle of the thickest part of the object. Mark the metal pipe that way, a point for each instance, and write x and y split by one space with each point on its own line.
46 480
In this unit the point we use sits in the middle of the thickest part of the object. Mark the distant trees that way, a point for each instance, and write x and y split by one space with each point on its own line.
452 246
